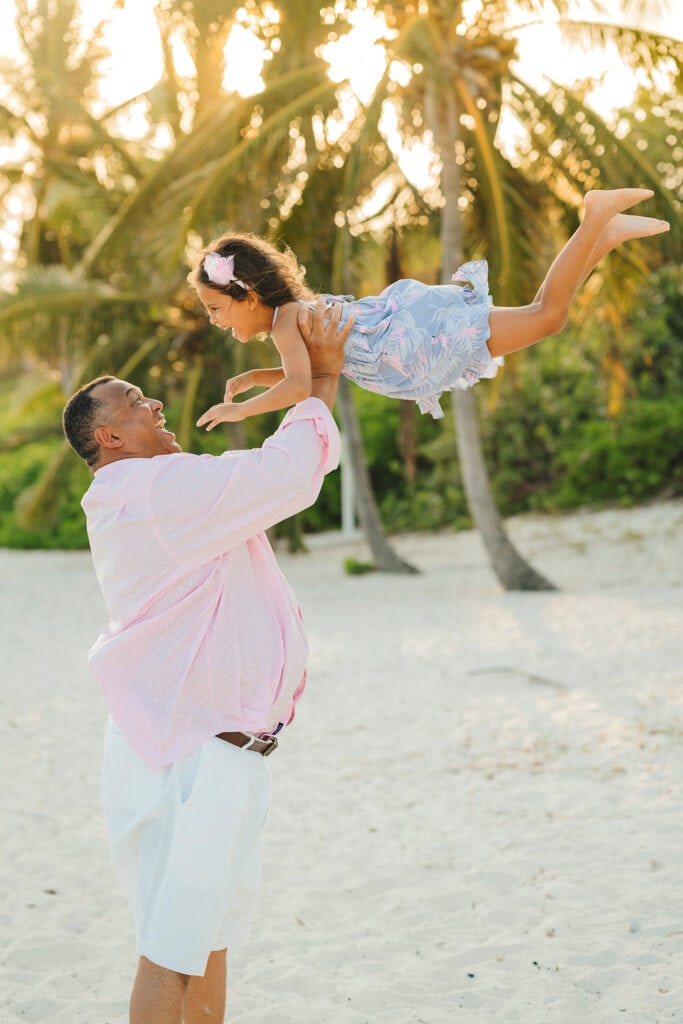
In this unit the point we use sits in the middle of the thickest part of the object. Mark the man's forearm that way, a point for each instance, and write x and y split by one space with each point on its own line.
324 386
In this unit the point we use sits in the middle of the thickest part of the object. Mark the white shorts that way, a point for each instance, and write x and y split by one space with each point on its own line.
186 844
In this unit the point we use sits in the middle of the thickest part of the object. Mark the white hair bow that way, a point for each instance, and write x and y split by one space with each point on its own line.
221 269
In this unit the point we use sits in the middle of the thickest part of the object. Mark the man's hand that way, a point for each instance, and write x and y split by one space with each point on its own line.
324 338
325 344
224 412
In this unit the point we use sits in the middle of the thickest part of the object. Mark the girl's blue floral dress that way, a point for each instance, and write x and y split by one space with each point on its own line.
417 341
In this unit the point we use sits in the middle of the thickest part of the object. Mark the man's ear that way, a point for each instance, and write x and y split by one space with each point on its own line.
106 438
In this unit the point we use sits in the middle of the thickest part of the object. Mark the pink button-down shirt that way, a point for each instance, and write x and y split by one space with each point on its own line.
205 634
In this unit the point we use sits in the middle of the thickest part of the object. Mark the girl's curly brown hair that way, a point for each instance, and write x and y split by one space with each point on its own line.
275 276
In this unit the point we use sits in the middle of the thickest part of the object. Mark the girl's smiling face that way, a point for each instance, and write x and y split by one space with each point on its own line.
244 319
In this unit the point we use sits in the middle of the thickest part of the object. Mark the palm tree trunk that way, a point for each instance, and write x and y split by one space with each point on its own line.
407 431
385 557
407 440
187 412
383 554
511 569
509 566
296 544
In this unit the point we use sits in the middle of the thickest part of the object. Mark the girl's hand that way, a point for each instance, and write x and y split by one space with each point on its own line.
239 384
224 412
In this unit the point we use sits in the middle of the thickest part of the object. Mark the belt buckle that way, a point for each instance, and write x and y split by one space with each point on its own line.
271 745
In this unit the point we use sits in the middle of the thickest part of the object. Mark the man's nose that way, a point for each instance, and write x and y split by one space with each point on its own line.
157 404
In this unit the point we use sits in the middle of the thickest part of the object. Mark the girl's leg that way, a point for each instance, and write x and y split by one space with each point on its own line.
619 229
603 227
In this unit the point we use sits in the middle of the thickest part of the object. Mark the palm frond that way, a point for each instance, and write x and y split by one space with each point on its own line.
197 164
490 162
636 47
187 409
561 116
215 175
35 508
54 291
142 352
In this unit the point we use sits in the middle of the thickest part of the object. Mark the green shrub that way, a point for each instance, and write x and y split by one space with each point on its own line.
547 438
353 567
628 459
21 469
655 360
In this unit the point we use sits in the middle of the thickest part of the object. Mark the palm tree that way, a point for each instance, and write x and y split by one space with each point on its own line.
204 181
65 171
66 163
298 96
462 75
385 558
79 311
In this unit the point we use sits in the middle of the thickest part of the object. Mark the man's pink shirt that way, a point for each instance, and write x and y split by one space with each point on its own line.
205 634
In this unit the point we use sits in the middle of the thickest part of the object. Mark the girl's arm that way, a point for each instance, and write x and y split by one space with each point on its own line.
293 386
264 378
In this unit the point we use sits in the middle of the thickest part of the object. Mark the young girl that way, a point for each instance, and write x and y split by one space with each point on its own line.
413 341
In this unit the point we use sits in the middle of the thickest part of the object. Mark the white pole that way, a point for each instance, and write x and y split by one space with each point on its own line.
348 495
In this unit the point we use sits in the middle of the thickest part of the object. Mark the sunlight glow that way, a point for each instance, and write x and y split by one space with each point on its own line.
416 157
132 37
617 83
135 65
245 56
359 52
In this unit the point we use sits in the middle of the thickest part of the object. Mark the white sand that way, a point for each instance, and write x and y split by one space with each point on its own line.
477 815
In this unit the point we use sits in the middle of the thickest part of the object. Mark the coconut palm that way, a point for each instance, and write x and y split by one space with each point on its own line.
126 279
460 60
204 181
65 164
209 181
65 169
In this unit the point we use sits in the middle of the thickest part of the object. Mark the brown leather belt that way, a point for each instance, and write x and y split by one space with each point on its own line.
263 745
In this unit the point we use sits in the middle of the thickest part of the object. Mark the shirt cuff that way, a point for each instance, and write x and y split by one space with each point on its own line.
315 409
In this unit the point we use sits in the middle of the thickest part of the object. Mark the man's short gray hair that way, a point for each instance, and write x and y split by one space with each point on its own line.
80 418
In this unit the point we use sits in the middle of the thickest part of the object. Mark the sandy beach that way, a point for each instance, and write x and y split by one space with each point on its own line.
477 814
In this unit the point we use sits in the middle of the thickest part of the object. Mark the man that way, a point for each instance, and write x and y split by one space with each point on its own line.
200 665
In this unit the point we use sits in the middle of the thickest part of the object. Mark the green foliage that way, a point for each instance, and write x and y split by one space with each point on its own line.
22 469
628 459
105 280
436 499
353 567
550 392
548 439
29 408
656 364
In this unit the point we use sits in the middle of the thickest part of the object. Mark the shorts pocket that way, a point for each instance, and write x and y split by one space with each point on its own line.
188 769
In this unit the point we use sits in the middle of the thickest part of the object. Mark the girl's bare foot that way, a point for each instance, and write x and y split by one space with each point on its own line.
624 226
606 203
